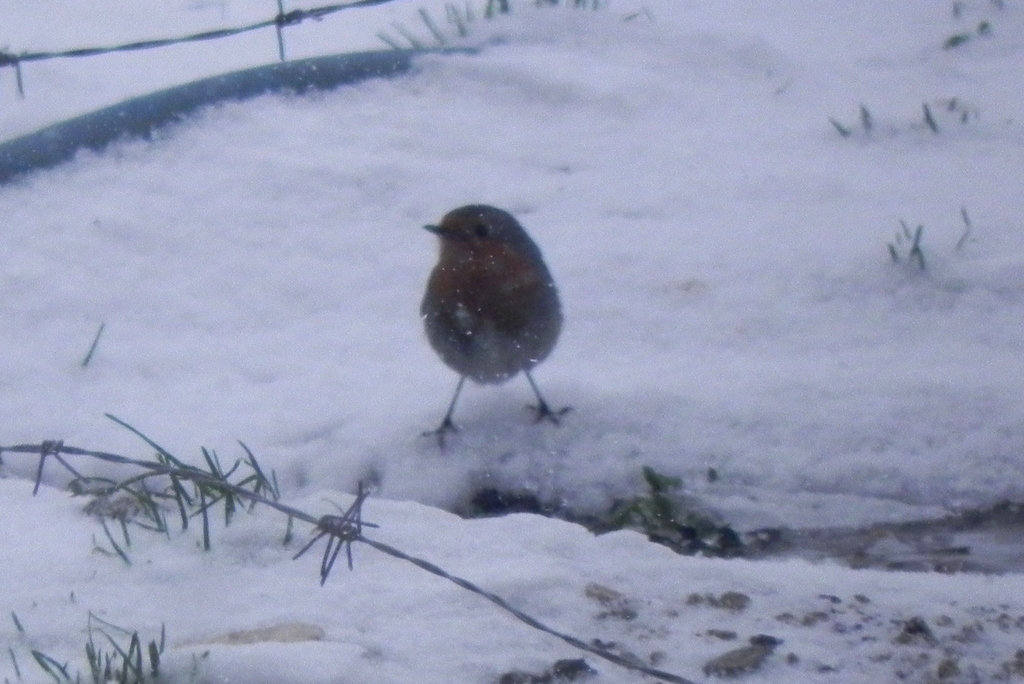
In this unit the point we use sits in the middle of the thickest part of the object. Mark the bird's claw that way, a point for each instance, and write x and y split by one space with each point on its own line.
443 429
544 412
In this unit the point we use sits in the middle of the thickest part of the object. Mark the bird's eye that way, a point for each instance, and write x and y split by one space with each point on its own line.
481 230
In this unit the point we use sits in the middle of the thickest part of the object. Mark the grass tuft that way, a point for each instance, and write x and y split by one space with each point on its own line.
92 348
495 7
966 237
54 668
982 30
14 662
906 248
432 27
462 17
929 119
843 130
865 119
660 515
123 663
414 42
117 547
461 21
391 43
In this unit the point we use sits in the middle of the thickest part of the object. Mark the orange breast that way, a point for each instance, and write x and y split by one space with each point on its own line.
490 282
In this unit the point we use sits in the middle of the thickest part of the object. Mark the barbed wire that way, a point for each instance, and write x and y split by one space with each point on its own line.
279 21
212 486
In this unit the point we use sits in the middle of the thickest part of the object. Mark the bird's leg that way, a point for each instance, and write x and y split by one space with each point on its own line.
544 412
447 425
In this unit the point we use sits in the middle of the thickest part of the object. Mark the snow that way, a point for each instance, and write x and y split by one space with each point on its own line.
721 252
386 621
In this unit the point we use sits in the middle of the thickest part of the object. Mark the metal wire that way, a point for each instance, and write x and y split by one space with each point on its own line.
279 21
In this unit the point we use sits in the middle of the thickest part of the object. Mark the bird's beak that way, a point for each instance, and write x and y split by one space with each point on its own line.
436 230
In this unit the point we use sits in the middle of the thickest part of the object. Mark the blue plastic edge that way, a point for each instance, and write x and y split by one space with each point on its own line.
141 116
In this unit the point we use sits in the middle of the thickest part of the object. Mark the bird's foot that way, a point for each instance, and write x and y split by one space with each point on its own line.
544 412
443 429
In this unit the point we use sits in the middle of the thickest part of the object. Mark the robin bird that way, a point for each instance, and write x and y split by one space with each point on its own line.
491 308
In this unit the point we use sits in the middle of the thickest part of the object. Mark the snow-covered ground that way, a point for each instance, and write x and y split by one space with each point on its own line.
721 251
